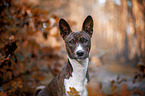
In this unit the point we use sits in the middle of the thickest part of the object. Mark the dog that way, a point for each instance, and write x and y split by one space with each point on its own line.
75 73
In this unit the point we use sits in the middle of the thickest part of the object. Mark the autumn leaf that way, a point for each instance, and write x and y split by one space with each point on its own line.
73 92
124 90
134 80
112 82
136 91
141 66
123 79
3 94
113 88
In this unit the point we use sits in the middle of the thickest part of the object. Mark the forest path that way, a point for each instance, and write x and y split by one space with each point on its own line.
117 74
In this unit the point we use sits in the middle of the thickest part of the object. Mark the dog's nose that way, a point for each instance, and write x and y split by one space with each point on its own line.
80 53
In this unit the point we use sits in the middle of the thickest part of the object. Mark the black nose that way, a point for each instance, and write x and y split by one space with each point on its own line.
80 53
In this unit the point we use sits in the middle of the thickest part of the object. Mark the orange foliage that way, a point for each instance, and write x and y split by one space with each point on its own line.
29 41
19 50
73 92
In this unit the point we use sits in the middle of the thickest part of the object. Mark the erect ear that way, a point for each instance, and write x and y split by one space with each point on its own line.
88 25
64 28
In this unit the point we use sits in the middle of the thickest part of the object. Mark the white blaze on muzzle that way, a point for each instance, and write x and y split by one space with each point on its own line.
79 48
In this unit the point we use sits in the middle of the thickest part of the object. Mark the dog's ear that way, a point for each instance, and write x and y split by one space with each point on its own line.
88 25
64 28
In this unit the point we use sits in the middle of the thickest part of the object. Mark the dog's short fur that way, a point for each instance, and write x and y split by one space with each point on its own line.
75 73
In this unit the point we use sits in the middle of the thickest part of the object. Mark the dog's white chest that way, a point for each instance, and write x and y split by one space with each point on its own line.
77 84
78 79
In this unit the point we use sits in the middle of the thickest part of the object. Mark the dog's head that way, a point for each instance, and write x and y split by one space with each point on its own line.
78 44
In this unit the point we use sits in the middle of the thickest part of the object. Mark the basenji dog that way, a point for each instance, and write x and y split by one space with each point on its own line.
75 73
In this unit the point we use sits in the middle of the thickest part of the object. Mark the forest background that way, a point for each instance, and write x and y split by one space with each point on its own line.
32 51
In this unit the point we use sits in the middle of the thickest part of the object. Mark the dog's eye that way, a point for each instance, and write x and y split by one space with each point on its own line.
84 40
71 41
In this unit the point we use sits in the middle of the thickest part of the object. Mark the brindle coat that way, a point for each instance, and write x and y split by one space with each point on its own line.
57 89
56 86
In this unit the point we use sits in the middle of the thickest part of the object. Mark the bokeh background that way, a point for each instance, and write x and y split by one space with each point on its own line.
32 51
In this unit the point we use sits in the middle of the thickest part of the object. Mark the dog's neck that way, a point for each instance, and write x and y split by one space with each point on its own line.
79 63
78 79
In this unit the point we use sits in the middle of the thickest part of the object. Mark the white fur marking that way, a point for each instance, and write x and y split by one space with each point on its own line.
52 21
78 79
40 87
78 48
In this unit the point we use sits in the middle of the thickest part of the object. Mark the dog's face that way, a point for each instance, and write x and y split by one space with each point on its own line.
78 44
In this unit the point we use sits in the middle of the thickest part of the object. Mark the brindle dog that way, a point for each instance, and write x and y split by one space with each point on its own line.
75 73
